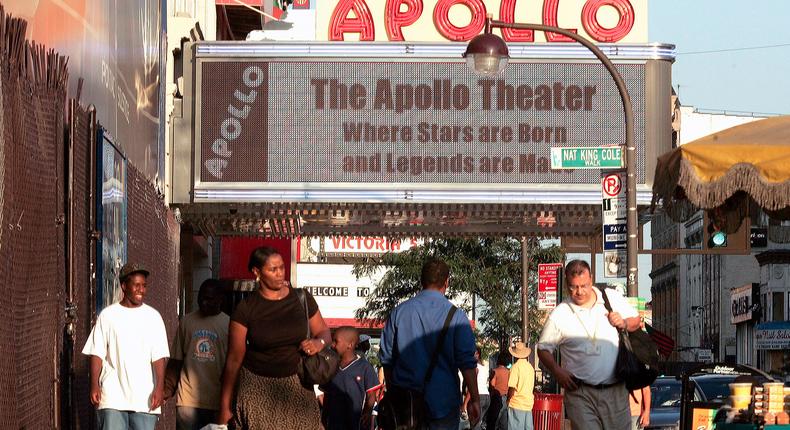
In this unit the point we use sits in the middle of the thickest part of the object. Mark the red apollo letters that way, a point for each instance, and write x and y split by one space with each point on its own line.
354 16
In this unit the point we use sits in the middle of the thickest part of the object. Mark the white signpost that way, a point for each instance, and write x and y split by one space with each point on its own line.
615 230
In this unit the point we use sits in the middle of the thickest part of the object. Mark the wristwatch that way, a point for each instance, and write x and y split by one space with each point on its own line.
323 342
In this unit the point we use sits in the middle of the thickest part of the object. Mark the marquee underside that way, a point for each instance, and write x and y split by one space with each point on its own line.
300 219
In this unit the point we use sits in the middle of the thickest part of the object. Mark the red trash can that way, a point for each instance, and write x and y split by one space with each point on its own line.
547 411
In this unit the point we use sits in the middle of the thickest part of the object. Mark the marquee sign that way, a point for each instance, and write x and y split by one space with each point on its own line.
459 20
341 121
398 122
601 21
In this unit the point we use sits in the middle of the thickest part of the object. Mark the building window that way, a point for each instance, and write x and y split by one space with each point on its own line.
778 307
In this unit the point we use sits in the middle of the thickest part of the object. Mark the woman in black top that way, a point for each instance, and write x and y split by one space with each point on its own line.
266 337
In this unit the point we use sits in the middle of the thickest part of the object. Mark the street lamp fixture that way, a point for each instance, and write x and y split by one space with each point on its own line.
487 55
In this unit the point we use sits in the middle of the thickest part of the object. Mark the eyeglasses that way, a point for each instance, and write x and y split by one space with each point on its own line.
573 288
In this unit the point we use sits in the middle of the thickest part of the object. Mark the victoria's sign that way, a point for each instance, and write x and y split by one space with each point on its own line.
366 122
360 245
458 20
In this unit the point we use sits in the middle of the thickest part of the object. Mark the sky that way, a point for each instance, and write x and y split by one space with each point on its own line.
748 72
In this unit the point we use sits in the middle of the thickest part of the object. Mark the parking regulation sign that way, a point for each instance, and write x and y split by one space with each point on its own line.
614 226
548 284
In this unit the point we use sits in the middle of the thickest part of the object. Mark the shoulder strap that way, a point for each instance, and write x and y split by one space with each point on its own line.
605 299
301 295
623 333
439 344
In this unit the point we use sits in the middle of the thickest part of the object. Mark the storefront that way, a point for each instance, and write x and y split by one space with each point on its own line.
743 302
772 339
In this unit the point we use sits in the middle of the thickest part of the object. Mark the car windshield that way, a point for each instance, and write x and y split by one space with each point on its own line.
715 389
665 394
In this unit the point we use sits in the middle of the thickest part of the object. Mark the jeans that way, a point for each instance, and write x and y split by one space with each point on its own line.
519 420
485 401
188 418
501 422
450 422
112 419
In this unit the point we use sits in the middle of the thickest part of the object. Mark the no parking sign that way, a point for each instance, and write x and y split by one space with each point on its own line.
615 231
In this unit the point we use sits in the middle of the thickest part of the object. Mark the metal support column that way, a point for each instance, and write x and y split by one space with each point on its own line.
525 290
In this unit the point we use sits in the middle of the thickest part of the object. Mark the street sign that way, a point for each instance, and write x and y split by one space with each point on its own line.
705 356
605 157
759 237
615 229
548 280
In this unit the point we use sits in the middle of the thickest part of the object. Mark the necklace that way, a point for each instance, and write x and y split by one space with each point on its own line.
595 330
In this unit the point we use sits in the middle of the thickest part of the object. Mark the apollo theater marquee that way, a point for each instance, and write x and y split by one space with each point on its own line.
361 117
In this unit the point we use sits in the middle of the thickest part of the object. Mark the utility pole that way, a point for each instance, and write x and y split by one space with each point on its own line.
525 290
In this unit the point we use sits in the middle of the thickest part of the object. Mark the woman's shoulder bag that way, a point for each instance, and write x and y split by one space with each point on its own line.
321 367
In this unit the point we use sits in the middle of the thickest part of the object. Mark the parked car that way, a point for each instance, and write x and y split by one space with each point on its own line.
666 397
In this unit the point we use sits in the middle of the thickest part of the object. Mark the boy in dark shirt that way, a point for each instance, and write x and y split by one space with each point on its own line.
348 402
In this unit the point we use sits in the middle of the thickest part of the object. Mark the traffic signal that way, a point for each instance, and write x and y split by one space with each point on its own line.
716 240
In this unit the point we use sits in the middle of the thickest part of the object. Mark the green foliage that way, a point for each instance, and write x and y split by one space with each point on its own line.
489 268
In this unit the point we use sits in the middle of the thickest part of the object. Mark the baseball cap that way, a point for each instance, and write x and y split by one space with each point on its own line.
131 268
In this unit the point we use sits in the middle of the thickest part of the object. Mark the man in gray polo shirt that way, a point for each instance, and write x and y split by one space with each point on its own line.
586 334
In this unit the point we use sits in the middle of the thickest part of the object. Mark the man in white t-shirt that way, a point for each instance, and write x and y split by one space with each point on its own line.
128 352
587 337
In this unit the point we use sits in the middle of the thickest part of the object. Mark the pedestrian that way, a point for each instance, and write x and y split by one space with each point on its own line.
195 369
363 346
350 396
128 349
639 401
266 336
521 383
586 335
499 384
406 357
482 390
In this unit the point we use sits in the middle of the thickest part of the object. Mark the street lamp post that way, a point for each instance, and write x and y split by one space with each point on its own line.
487 54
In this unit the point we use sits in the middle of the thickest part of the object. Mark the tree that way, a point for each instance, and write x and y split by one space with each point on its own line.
488 268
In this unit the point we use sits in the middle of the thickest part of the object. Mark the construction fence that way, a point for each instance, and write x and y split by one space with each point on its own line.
49 231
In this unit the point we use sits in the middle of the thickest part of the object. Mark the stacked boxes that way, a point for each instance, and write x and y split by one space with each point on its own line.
772 401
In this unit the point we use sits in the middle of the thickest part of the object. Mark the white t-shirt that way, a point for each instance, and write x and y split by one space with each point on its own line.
587 342
127 340
482 379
